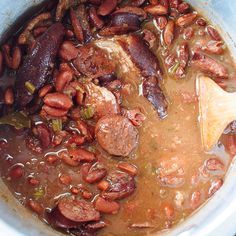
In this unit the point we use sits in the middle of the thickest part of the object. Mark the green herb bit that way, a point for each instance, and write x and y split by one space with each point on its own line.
16 119
57 125
87 113
38 193
30 87
174 68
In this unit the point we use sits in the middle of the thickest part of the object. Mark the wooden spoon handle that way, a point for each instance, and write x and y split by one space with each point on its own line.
217 109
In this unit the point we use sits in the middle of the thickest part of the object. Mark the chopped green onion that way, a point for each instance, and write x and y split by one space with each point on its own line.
174 68
30 87
38 193
87 113
57 125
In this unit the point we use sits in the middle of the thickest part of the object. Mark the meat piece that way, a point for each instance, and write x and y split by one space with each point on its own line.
78 210
121 186
38 64
116 135
209 66
93 62
101 99
155 96
141 56
56 219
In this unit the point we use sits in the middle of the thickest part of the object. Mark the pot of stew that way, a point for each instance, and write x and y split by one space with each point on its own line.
99 120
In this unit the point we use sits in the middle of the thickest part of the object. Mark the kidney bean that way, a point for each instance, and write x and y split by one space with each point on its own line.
168 33
132 10
32 181
78 210
45 90
69 34
68 159
188 33
44 134
213 33
183 54
214 164
186 19
63 78
39 31
93 173
54 112
16 171
77 140
12 61
58 100
214 47
153 2
77 26
86 194
161 21
95 19
35 206
51 159
215 186
25 36
169 211
156 9
1 64
201 22
170 60
103 185
106 206
230 144
82 155
68 51
127 167
180 72
107 7
75 190
195 199
183 7
9 96
65 179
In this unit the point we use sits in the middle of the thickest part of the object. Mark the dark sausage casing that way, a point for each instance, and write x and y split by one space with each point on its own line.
38 64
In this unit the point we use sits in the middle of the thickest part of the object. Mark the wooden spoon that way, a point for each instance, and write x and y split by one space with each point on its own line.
217 109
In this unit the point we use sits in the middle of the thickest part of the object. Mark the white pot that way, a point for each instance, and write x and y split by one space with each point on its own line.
215 218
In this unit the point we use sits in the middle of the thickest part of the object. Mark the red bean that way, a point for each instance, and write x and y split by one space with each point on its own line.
103 185
214 164
58 100
16 171
168 33
107 7
185 20
45 90
105 206
35 206
68 51
129 168
95 19
161 21
215 186
33 181
195 199
213 33
9 96
169 211
65 179
156 9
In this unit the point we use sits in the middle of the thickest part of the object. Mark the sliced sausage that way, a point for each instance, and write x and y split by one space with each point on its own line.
78 210
121 185
116 135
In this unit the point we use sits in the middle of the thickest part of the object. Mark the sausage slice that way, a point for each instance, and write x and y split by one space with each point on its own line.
78 210
116 135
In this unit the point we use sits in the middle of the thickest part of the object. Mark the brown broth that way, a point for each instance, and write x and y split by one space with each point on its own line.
171 147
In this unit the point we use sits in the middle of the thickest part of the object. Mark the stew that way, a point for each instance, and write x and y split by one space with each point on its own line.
99 116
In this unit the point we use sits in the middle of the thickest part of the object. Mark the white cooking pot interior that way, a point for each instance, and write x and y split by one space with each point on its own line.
216 217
